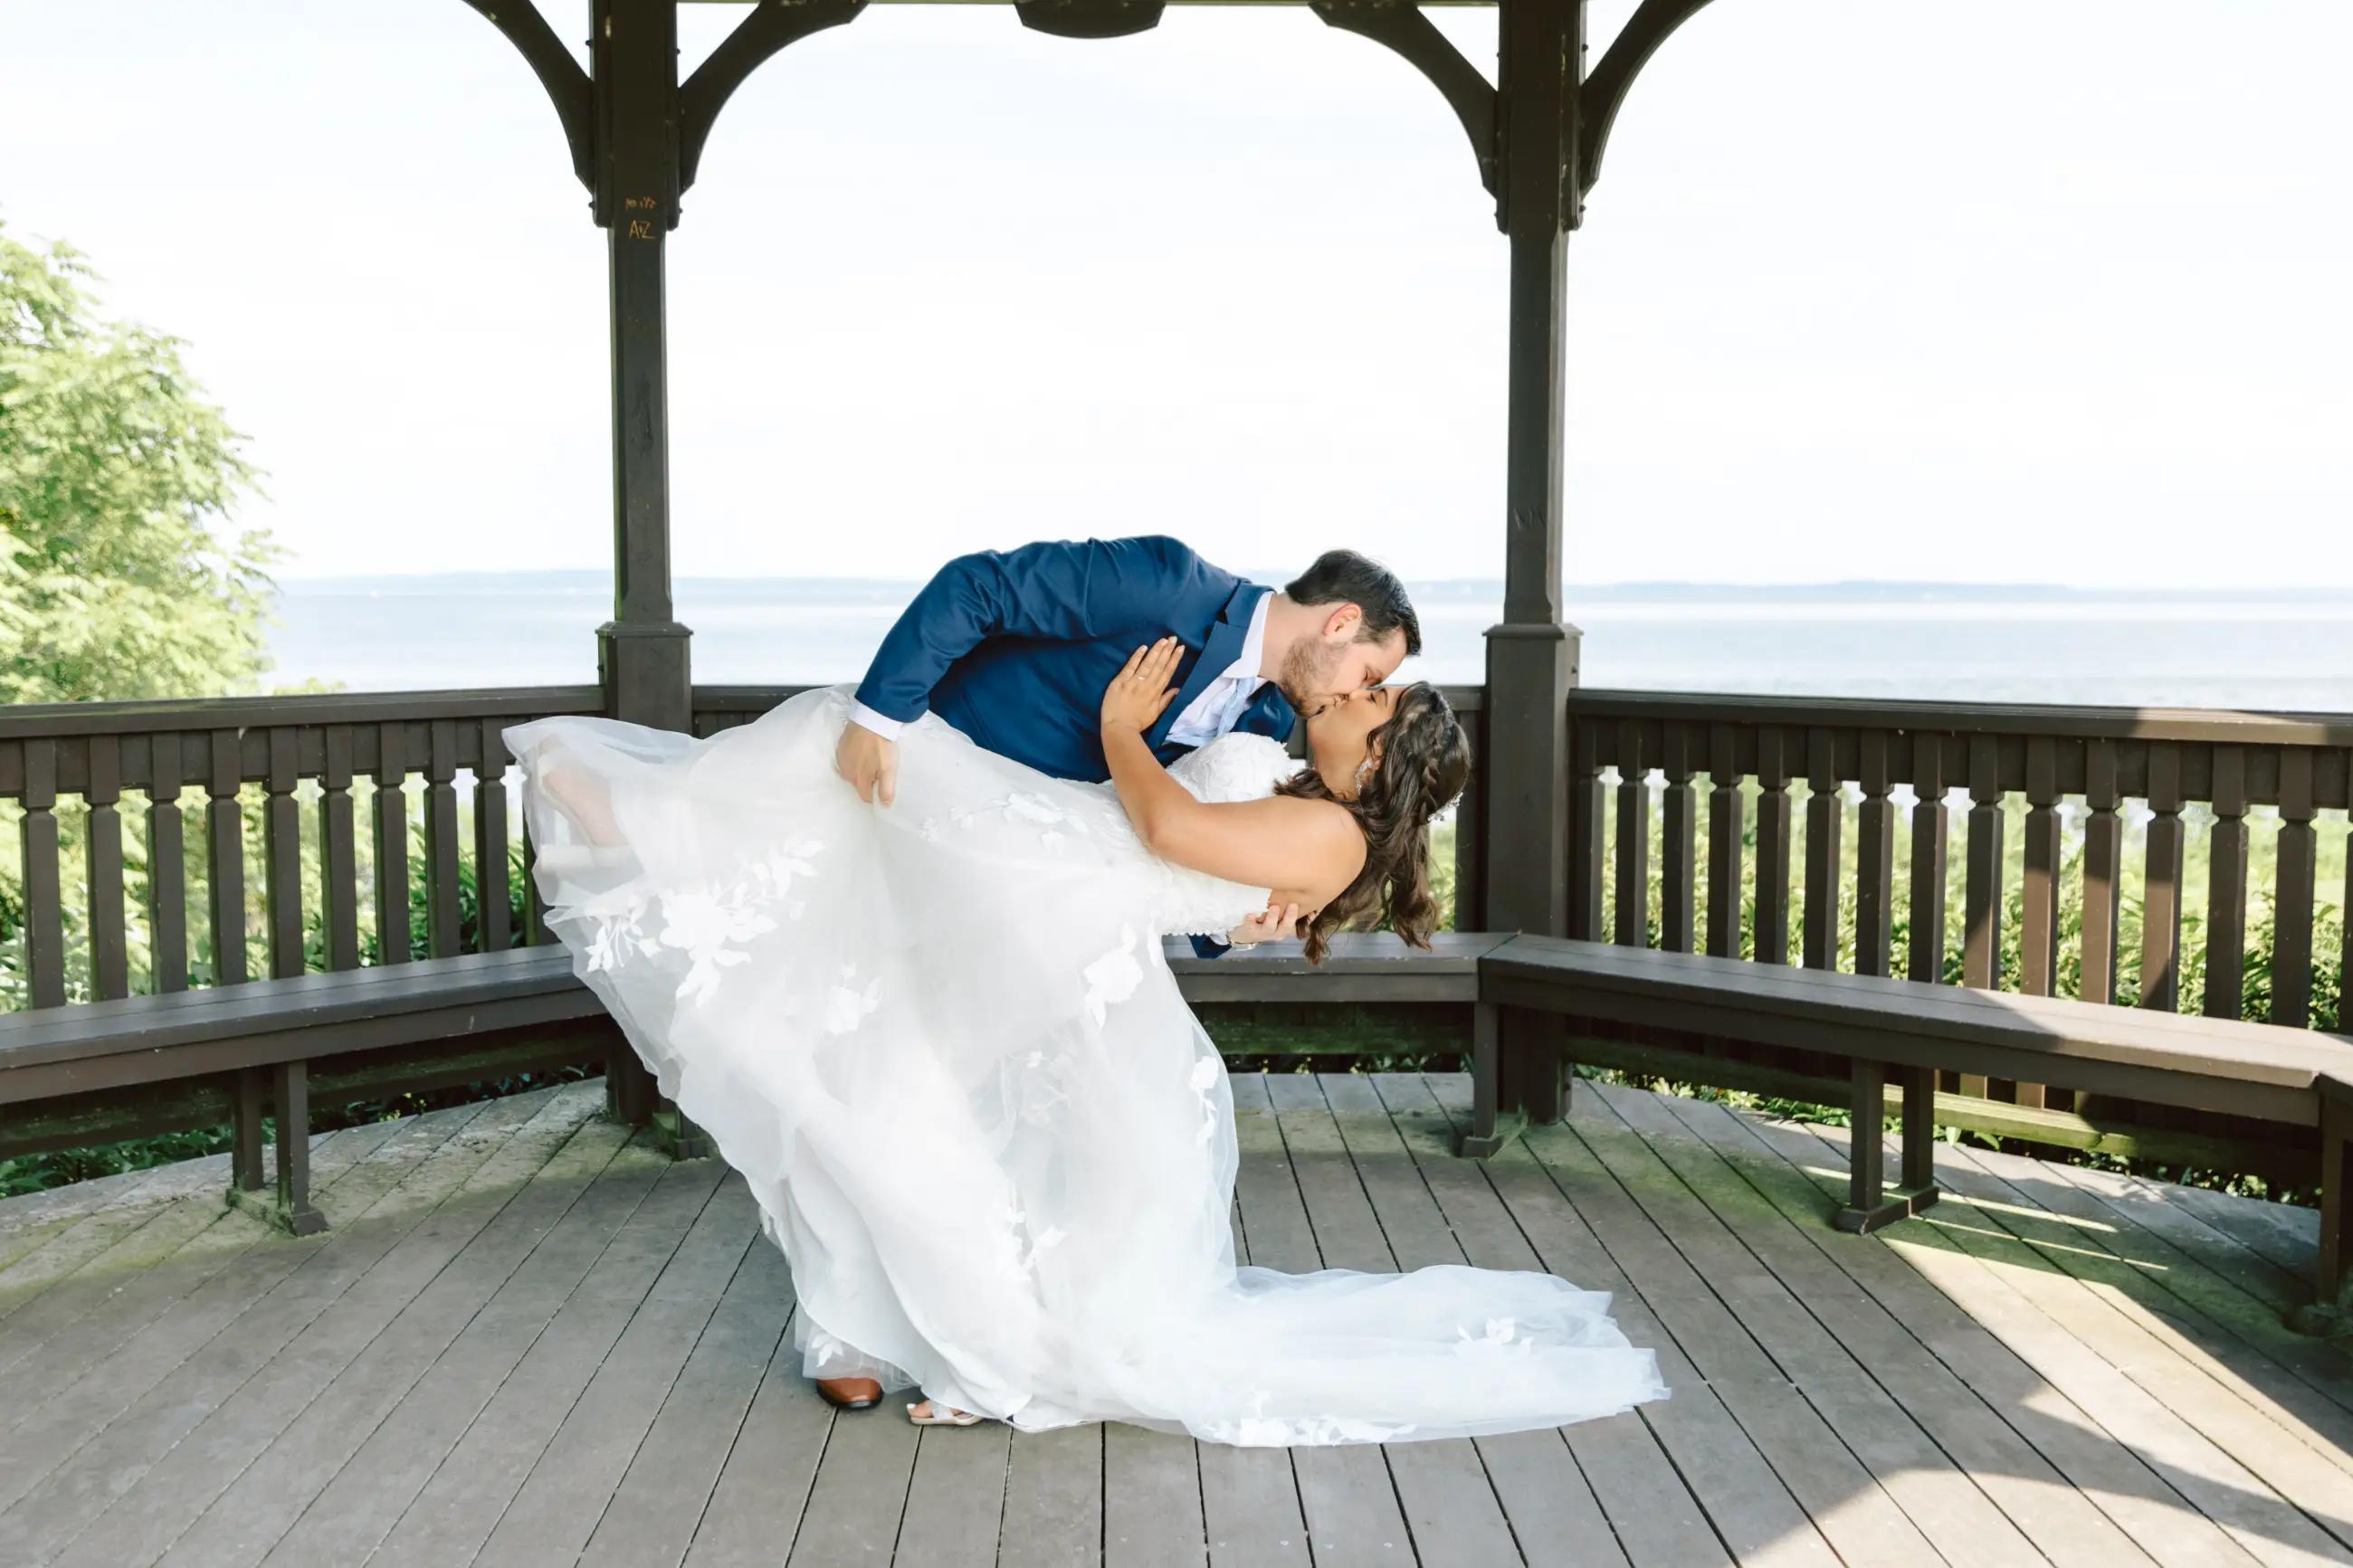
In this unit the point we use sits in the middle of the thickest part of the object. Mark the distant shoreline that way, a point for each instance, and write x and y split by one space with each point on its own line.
586 580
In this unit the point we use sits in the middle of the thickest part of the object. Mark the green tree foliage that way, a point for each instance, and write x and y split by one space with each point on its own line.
114 474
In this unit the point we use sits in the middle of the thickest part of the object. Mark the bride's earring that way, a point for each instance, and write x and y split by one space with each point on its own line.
1363 772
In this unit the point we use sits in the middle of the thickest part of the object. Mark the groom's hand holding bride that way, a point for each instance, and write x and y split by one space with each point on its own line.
869 762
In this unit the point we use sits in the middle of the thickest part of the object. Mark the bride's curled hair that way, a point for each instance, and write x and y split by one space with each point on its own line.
1424 760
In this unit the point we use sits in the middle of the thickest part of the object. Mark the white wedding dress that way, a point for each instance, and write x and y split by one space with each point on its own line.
941 1043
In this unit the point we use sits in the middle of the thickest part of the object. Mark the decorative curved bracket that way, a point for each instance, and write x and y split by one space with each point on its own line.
1605 89
771 26
558 72
1401 29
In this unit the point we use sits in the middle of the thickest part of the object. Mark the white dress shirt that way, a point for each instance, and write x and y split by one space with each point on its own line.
1223 700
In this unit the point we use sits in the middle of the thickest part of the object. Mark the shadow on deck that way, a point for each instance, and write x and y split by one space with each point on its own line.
528 1337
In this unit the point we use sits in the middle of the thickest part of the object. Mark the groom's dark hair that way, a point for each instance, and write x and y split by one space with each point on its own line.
1344 577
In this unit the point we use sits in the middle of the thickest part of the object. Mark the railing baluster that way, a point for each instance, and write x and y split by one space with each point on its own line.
1678 846
2103 864
2161 919
1726 831
45 938
2345 946
1825 852
444 919
1772 846
2038 937
2038 946
282 852
1931 834
225 857
167 867
1584 808
1875 873
110 945
1633 839
2226 887
338 874
535 929
1982 894
495 918
390 814
2299 875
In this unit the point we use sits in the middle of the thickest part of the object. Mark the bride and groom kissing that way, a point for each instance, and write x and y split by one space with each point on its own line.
925 1012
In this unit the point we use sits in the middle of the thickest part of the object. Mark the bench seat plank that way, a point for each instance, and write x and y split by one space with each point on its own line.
2256 1070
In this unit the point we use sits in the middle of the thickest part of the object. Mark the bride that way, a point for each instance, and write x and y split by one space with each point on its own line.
942 1046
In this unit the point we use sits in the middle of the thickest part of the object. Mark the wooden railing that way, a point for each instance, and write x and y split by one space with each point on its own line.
1686 832
315 763
83 757
2030 783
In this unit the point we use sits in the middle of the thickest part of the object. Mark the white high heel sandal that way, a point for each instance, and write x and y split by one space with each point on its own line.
969 1418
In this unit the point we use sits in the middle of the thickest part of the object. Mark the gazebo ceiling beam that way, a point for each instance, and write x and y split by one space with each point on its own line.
568 85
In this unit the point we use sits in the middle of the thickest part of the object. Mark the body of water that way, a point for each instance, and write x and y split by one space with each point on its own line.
2287 650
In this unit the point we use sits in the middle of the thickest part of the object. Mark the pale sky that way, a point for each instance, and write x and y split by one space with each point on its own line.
1943 289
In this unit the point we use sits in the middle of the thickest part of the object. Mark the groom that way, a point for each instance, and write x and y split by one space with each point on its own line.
1014 649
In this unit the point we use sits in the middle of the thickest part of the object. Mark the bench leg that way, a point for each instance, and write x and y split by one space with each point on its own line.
630 1095
247 1100
1490 1128
680 1135
289 1206
2331 1311
1869 1203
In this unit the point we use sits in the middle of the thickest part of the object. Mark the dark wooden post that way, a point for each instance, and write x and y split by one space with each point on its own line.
1531 653
641 652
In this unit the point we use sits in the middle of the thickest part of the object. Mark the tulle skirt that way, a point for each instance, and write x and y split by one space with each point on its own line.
940 1043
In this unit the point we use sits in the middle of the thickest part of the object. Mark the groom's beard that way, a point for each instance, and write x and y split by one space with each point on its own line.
1306 676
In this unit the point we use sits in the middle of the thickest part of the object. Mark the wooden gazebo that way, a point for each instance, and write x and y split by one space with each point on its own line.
2014 1361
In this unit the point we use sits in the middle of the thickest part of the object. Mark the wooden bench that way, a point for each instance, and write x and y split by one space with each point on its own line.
1906 1030
260 1037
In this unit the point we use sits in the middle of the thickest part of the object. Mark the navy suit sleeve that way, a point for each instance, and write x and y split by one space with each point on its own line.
1064 591
1211 947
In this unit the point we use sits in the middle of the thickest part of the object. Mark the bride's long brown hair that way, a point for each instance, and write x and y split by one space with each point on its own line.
1424 760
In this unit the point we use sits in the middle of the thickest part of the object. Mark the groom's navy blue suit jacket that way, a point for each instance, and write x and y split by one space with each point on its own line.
1015 647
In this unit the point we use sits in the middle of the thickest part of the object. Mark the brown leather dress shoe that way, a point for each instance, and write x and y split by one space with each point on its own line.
850 1392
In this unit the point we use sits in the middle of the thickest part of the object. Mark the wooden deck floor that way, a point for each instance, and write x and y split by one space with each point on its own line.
530 1339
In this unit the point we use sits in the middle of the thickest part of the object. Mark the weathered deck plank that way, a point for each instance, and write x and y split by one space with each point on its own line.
1801 1174
1249 1498
1672 1482
755 1511
2074 1340
242 1525
89 1316
1346 1493
355 1510
470 1490
506 1147
1889 1342
70 1493
528 1337
51 1433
